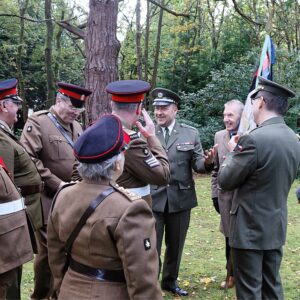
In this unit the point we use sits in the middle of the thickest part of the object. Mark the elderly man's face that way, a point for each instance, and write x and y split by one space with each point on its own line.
66 111
165 114
9 109
231 117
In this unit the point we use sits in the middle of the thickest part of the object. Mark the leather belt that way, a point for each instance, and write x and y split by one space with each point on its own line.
12 207
27 190
99 274
140 191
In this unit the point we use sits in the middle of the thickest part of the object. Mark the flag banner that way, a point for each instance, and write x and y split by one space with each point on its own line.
267 59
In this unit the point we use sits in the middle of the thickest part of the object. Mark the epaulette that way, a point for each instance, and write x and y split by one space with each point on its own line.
187 126
40 112
131 196
132 135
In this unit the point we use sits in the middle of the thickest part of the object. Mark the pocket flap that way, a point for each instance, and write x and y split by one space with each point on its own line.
12 221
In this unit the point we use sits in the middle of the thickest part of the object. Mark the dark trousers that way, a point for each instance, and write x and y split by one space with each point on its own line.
175 226
43 280
228 258
10 284
257 273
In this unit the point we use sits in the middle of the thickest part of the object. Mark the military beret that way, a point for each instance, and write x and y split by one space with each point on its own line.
128 91
265 85
164 97
103 140
8 90
77 95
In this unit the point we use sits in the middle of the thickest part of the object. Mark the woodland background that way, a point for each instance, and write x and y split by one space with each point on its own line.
206 50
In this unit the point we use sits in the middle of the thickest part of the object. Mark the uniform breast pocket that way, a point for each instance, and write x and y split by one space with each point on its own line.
60 149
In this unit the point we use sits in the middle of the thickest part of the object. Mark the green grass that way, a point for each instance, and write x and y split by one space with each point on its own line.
203 261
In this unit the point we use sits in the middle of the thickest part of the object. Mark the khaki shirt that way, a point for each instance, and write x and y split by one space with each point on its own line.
120 234
53 155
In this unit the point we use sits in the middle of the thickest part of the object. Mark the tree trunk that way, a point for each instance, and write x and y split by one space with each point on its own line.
23 7
101 48
157 50
48 55
58 48
138 40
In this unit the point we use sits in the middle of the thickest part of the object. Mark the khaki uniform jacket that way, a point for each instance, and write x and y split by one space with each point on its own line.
224 197
261 169
23 171
185 154
113 238
53 155
15 248
146 163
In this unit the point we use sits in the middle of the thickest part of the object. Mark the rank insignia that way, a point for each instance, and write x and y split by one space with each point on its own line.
29 128
151 161
147 244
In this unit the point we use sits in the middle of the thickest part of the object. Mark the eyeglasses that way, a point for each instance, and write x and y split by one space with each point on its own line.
14 99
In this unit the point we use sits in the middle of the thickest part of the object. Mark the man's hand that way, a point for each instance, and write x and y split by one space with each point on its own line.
210 154
149 128
216 205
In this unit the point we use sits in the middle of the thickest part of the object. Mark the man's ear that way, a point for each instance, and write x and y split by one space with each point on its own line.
3 106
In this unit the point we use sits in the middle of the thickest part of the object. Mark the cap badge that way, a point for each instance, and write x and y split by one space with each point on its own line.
160 95
147 244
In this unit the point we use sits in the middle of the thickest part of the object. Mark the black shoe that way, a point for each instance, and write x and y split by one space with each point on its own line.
177 290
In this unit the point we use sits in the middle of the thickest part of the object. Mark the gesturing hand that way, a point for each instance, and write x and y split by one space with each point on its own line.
149 128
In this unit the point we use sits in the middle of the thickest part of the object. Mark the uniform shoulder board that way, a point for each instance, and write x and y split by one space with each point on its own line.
40 112
132 134
187 126
129 195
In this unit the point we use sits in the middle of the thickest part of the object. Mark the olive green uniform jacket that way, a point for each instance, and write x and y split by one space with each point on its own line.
112 238
224 197
23 171
53 155
14 235
185 154
261 169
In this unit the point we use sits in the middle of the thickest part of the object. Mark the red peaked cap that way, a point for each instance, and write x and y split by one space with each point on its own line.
101 141
77 95
8 88
128 91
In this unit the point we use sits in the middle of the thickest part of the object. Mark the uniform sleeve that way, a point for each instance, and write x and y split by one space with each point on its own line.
148 161
214 174
56 254
198 159
136 243
32 142
238 164
7 153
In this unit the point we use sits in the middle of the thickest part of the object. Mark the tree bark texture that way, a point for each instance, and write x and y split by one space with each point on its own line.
48 54
102 48
138 40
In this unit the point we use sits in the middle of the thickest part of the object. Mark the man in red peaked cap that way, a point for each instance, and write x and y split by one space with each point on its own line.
48 136
146 161
21 168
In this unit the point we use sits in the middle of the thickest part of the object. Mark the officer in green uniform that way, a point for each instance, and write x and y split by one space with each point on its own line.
261 168
172 203
19 163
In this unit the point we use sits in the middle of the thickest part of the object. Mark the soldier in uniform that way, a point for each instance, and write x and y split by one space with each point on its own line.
222 200
146 161
14 232
261 168
113 253
172 203
48 136
20 165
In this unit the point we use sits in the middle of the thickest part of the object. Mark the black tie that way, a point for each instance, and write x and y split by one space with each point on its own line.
167 135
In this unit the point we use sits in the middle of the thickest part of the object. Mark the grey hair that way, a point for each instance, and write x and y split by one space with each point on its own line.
120 106
236 102
97 172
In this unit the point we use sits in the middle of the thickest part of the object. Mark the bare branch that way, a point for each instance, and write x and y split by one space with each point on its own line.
169 11
75 30
238 10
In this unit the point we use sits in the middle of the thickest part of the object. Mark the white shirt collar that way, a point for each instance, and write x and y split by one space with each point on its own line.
170 127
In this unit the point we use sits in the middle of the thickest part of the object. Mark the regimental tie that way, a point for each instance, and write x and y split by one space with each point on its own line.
167 134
